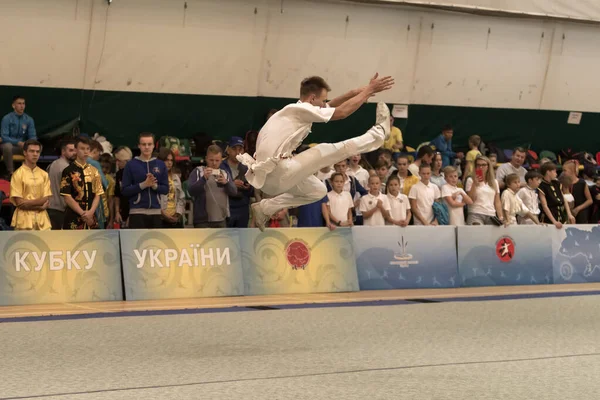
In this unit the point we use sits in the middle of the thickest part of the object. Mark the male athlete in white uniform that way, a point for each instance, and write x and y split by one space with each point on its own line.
290 178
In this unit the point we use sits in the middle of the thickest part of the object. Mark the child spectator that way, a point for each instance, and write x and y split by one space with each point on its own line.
375 206
106 162
399 204
437 175
351 185
338 210
552 200
382 172
494 160
406 178
565 187
474 143
529 195
385 156
424 156
512 205
454 197
355 170
211 187
422 196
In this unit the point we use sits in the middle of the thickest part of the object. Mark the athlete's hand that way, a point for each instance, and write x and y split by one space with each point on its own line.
378 85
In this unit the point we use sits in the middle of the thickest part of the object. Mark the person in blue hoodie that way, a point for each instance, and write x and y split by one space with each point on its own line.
239 203
145 178
16 128
443 144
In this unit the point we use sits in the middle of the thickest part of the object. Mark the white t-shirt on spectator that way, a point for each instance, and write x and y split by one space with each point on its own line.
425 195
530 198
507 169
457 214
369 202
323 176
414 169
399 205
484 201
513 205
361 175
339 204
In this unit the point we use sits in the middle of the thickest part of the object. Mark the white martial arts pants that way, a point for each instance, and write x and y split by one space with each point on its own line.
293 181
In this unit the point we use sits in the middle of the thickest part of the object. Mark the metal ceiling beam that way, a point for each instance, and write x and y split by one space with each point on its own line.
488 11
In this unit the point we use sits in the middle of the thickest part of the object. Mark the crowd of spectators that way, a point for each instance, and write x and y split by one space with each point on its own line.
87 188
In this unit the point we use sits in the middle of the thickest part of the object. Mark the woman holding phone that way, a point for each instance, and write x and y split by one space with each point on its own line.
483 189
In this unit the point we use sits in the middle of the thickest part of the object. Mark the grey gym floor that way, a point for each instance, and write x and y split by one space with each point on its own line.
544 348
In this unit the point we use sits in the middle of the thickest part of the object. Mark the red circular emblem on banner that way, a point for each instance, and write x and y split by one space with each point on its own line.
505 249
297 253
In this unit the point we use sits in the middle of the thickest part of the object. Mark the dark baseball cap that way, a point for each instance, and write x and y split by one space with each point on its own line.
235 141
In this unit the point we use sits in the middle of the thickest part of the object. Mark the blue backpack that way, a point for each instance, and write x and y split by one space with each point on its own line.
440 210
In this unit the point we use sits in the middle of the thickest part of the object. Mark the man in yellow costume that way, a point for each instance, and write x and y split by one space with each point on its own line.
30 191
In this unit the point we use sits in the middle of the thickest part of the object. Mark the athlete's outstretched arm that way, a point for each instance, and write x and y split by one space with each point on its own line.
338 101
349 106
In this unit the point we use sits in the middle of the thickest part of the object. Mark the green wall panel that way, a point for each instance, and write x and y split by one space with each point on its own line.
122 115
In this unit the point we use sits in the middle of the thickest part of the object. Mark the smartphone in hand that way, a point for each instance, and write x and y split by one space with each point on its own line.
479 173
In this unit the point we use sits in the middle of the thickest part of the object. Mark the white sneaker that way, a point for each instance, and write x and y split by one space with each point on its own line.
383 118
260 218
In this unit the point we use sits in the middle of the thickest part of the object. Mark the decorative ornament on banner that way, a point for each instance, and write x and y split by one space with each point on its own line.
390 257
306 260
576 254
516 255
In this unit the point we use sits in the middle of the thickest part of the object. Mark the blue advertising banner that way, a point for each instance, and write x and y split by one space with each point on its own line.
298 260
390 257
498 256
181 263
576 254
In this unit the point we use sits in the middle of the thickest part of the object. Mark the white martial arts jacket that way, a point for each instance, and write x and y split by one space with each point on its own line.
280 136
